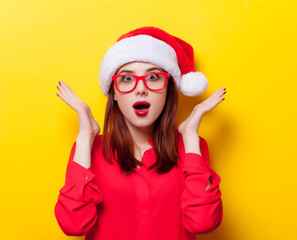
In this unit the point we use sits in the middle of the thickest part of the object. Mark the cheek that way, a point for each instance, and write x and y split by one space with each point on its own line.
160 103
124 102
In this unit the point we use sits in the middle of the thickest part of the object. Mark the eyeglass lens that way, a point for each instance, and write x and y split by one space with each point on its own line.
153 81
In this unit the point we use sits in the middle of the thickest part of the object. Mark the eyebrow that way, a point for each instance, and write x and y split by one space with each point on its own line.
148 70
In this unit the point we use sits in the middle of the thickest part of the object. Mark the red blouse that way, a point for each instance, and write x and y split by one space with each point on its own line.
104 204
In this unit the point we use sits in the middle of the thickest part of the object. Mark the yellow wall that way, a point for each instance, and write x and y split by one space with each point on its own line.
247 46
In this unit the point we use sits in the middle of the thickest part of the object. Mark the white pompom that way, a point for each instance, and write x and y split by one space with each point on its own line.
193 83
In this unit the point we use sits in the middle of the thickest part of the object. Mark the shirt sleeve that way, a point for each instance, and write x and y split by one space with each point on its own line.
202 209
76 208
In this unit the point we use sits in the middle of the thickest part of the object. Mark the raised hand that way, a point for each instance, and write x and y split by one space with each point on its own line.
191 124
87 124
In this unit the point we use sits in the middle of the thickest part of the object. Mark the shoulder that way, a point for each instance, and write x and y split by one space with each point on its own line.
98 139
97 143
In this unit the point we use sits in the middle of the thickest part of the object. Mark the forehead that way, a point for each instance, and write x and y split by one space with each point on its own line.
137 66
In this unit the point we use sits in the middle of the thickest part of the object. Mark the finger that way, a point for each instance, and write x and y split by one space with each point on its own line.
219 92
64 95
73 95
67 100
66 90
62 88
219 96
209 106
215 103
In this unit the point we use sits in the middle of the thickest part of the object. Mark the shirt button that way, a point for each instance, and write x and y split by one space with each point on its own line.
87 178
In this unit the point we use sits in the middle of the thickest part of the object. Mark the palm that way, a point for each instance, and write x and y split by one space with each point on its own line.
87 123
191 124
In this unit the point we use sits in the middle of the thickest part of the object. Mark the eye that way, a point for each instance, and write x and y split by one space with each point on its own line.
127 78
153 77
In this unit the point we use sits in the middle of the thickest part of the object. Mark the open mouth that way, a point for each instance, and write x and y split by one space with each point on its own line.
141 105
141 108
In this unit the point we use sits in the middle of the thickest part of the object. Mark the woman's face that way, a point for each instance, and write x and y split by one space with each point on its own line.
131 104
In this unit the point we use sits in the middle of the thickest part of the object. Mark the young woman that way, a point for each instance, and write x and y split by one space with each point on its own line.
143 178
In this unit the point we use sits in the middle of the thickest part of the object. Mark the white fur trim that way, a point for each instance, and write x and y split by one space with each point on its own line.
138 48
193 83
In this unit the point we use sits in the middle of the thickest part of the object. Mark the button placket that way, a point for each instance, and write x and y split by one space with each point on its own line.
143 193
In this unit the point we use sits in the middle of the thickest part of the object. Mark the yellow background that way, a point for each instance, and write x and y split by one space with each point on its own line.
247 46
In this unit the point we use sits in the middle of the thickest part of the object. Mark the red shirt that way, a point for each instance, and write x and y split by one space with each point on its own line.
104 204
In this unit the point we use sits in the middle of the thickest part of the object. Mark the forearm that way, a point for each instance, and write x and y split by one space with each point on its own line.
82 154
191 143
76 208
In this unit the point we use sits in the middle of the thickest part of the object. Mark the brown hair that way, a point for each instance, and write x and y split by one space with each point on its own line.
117 138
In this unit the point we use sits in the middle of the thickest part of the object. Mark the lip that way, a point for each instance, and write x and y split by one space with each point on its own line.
141 112
141 103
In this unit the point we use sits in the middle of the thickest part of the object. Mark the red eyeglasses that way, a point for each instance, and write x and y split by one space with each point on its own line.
154 81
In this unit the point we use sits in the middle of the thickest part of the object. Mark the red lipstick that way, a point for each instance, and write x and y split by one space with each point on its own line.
141 108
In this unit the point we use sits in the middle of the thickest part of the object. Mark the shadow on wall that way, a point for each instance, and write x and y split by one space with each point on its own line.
219 139
222 131
223 232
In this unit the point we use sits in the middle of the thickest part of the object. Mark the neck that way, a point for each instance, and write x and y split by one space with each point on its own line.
141 135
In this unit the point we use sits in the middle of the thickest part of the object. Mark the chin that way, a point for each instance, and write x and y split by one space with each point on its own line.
142 123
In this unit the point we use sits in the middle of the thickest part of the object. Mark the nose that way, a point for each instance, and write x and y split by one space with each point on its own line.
141 88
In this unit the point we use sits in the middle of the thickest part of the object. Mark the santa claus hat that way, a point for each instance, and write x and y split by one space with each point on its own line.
153 45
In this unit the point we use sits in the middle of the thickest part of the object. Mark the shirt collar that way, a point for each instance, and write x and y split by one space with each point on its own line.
150 140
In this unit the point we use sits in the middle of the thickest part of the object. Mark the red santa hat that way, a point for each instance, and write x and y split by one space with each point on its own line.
153 45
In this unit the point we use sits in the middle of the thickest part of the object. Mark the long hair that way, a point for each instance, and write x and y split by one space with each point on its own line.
118 143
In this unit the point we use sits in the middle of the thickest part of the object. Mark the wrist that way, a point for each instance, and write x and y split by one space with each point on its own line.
191 143
84 144
190 135
85 137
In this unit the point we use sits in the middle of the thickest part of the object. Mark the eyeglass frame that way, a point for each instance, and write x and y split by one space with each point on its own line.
137 78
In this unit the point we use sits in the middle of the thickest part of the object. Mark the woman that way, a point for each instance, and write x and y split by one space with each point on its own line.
141 179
